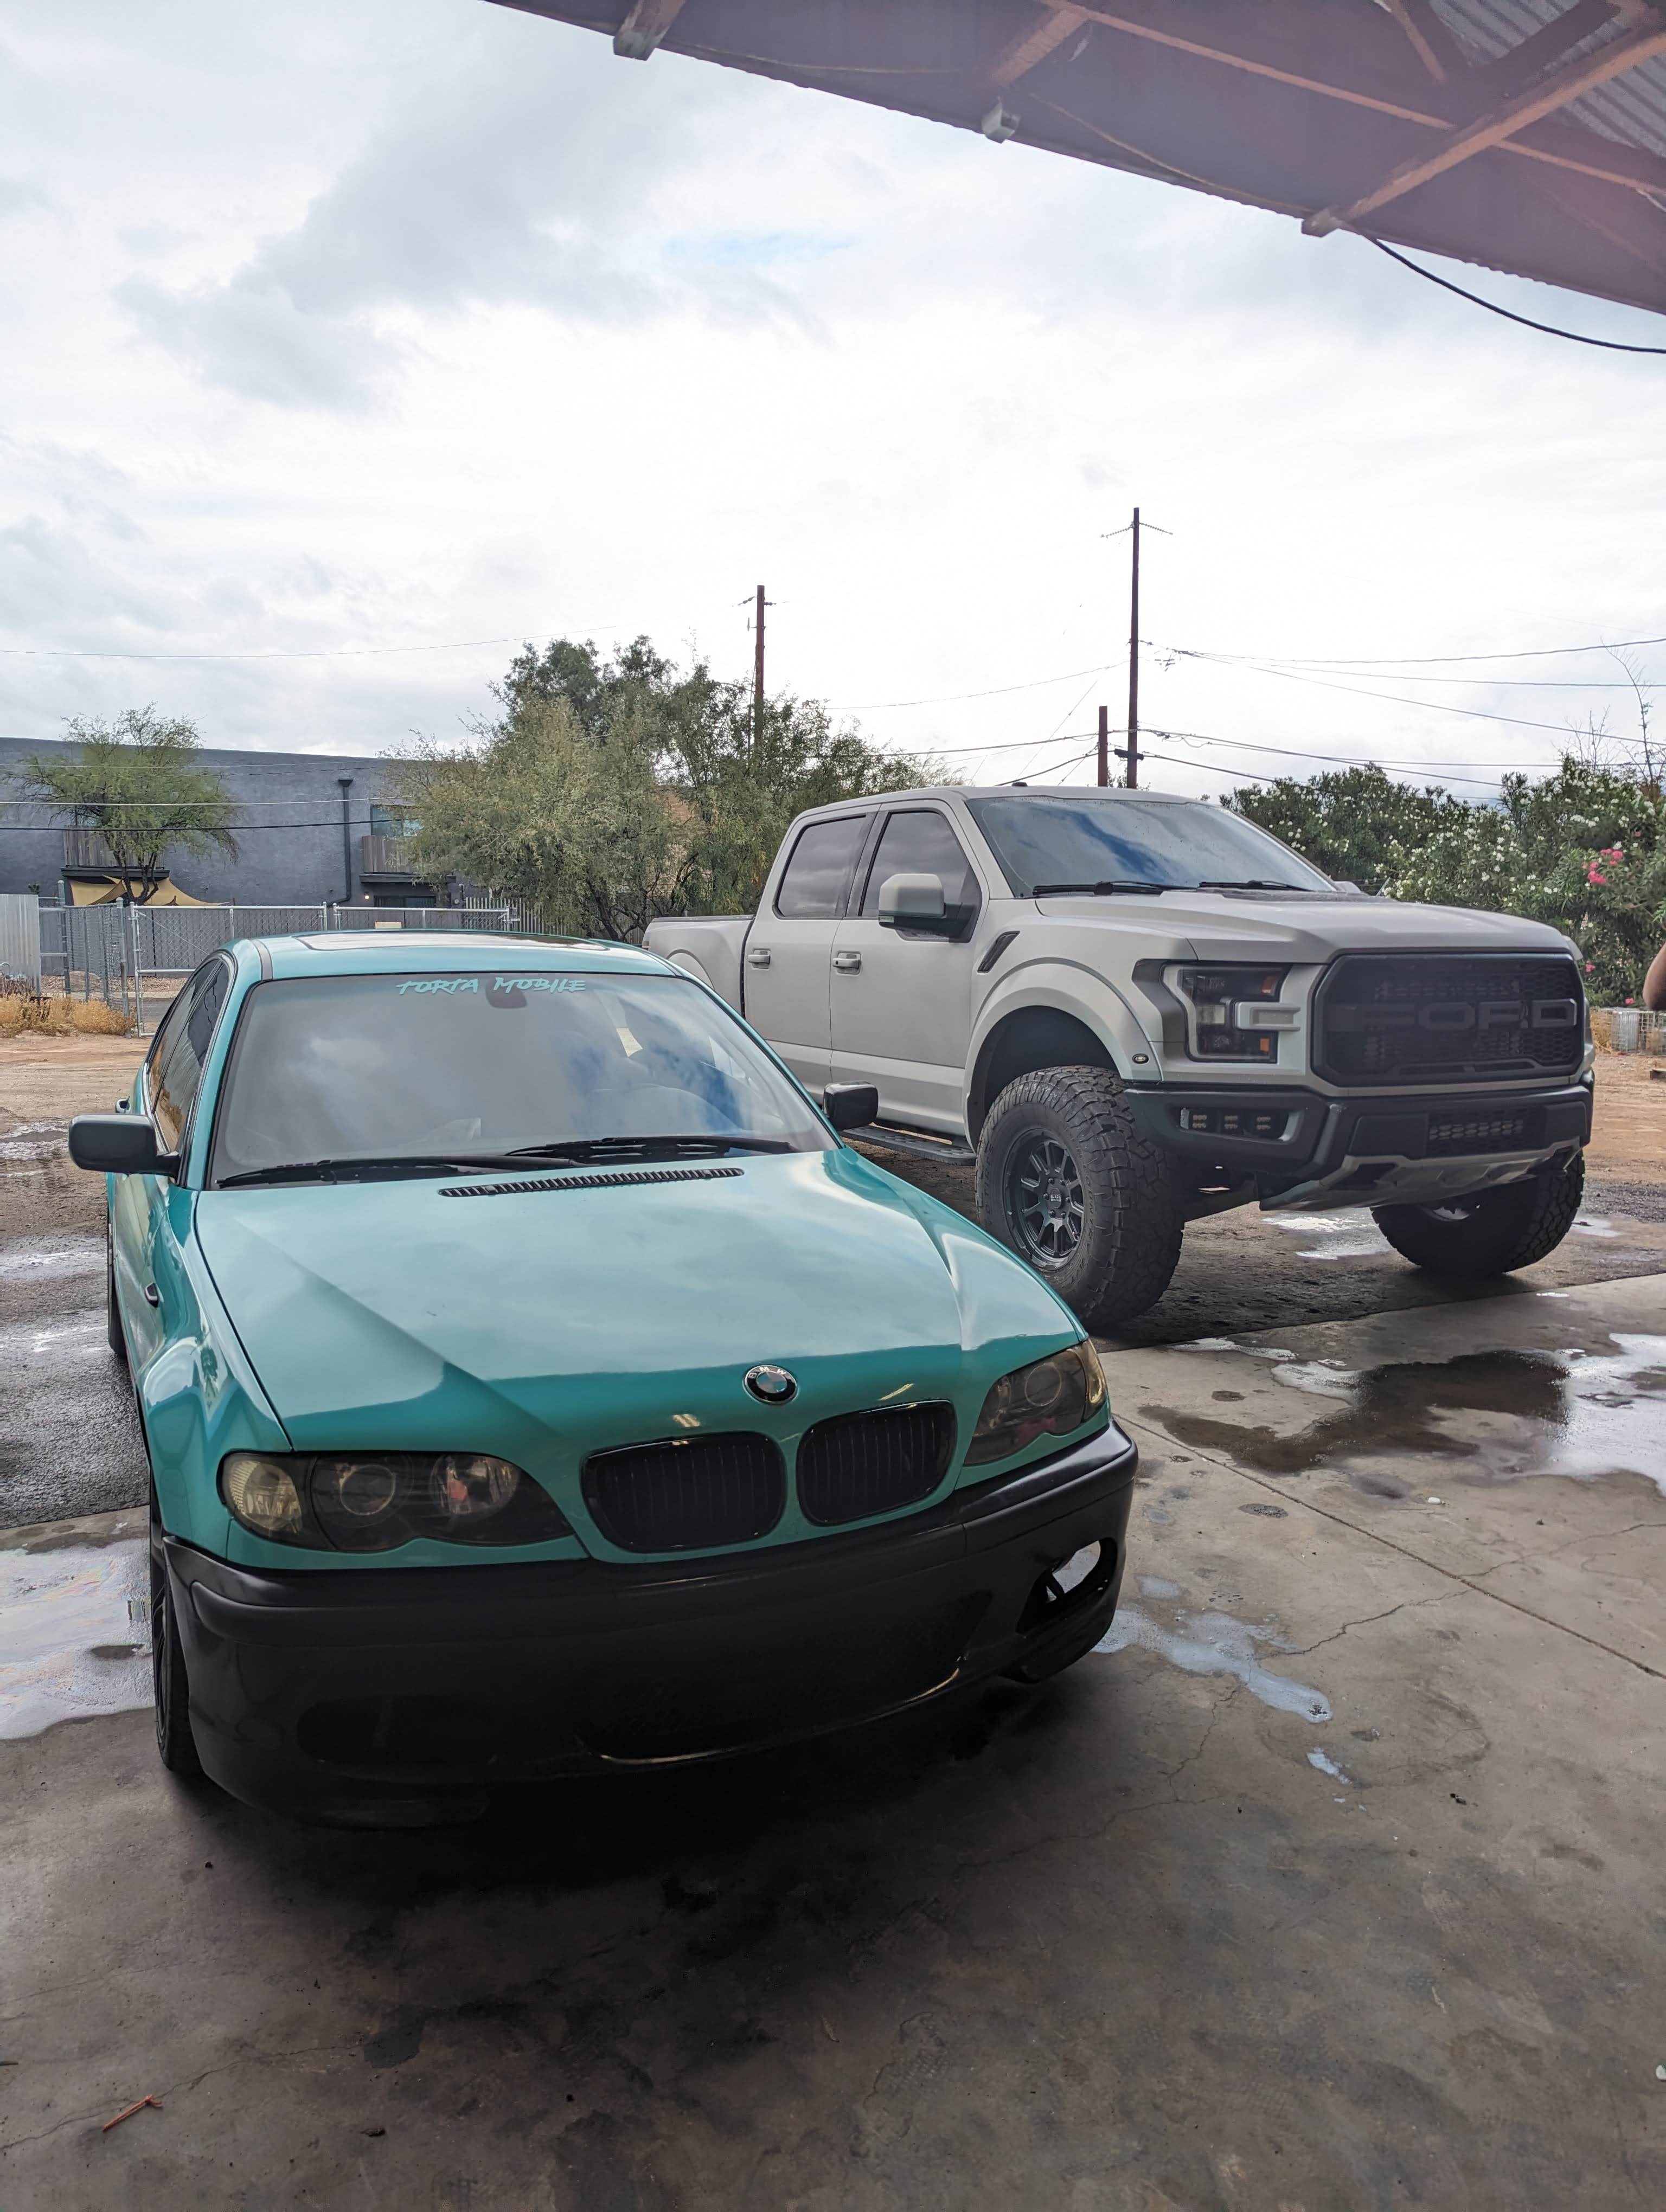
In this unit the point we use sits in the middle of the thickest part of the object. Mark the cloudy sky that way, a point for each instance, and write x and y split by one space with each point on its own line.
337 328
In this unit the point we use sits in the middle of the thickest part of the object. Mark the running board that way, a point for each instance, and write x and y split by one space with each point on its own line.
908 1141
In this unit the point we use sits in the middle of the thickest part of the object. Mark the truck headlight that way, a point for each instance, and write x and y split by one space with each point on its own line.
376 1501
1235 1011
1051 1397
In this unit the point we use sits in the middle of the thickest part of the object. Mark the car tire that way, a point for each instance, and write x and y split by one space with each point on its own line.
113 1327
1066 1179
175 1745
1494 1232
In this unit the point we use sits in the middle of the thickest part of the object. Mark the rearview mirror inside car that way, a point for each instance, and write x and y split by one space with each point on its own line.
119 1144
916 902
850 1105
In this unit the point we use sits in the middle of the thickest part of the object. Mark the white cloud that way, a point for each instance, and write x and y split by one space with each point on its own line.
422 320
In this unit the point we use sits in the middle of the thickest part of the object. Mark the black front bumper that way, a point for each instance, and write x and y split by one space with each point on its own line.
351 1695
1284 1136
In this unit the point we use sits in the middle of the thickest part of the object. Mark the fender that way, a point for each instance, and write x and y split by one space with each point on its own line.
1062 987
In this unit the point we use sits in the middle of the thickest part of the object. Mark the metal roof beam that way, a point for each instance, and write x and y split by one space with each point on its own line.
1431 42
644 26
1547 46
1499 126
1052 26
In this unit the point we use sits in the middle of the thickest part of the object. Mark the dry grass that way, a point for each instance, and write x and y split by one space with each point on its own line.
22 1014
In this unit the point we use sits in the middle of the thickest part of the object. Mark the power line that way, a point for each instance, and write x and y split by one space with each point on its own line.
953 698
1550 330
1394 699
1361 663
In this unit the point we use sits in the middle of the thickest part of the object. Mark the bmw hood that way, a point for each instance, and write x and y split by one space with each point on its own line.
548 1322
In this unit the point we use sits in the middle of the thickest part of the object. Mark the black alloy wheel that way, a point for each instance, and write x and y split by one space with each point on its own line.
1044 1202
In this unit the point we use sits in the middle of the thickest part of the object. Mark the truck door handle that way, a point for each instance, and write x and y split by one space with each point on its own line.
153 1297
846 963
758 957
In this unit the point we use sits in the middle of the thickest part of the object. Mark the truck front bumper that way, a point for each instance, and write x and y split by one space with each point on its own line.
1305 1149
411 1694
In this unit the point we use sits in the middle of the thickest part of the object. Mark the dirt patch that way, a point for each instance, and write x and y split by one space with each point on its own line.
49 1078
1628 1142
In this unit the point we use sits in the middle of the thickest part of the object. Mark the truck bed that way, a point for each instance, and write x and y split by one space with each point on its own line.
709 946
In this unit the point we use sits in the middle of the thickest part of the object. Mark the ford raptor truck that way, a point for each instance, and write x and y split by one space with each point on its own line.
1134 1010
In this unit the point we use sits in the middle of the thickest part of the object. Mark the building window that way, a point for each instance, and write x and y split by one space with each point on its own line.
390 821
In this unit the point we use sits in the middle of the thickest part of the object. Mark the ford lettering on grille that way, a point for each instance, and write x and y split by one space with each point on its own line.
1444 1018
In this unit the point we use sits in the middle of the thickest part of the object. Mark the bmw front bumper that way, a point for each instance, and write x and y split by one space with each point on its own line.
397 1695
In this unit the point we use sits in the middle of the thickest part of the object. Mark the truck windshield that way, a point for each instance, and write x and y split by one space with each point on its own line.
328 1069
1178 843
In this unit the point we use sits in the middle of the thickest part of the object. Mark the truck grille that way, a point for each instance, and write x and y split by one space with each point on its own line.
1417 1018
865 1463
687 1494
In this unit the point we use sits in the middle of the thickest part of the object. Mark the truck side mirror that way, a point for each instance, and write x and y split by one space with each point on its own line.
850 1105
915 902
119 1144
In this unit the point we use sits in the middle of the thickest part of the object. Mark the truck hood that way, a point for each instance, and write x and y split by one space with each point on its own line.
1254 925
548 1324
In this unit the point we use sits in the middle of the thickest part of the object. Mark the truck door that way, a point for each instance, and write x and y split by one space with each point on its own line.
789 950
902 999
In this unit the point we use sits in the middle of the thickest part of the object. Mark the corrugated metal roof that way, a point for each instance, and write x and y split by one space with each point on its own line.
1631 111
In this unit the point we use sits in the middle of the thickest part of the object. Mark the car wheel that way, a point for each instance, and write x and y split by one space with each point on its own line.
174 1742
1492 1232
1066 1179
113 1327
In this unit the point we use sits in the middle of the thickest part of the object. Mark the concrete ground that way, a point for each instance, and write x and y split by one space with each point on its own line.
1332 1880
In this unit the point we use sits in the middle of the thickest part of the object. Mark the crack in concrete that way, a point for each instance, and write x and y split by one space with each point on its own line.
183 2088
1290 1498
1405 1604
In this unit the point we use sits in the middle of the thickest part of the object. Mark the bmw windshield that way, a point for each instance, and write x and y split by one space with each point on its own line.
331 1074
1165 844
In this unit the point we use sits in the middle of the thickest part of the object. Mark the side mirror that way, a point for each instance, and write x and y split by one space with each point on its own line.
850 1105
119 1144
915 902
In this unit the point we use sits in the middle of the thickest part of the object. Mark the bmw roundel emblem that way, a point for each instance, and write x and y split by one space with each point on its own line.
774 1385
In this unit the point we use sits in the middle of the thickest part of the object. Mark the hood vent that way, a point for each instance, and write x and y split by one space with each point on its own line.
611 1182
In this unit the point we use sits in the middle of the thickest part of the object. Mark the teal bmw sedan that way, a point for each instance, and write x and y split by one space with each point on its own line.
535 1381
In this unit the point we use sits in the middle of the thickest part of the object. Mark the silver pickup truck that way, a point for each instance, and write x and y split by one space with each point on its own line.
1137 1010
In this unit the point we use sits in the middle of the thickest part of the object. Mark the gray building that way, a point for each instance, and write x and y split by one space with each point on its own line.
311 827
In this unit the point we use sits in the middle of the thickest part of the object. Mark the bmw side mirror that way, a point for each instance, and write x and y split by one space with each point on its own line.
119 1144
916 902
851 1105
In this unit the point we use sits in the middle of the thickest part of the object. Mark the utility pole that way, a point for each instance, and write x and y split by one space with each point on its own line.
1130 752
757 676
1131 755
1104 746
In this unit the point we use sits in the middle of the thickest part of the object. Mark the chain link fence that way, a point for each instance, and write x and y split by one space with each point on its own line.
135 957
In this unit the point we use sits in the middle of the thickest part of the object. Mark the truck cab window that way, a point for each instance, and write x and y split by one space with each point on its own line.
814 886
918 841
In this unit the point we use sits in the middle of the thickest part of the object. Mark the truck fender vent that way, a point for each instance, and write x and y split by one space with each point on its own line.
589 1181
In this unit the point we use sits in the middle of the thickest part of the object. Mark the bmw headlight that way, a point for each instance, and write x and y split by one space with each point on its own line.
1051 1397
376 1501
1233 1011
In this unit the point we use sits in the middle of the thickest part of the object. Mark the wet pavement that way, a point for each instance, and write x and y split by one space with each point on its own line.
1331 1881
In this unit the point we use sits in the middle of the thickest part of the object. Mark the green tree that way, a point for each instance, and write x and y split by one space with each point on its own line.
136 782
608 792
1349 822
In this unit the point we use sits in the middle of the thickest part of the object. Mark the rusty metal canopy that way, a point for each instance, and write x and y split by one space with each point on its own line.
1524 136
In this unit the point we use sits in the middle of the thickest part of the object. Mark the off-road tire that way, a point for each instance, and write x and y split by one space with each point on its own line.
175 1745
1128 1242
1492 1233
113 1327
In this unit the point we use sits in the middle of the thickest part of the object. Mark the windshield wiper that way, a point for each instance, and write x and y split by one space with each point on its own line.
1102 889
1259 884
598 1148
392 1164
